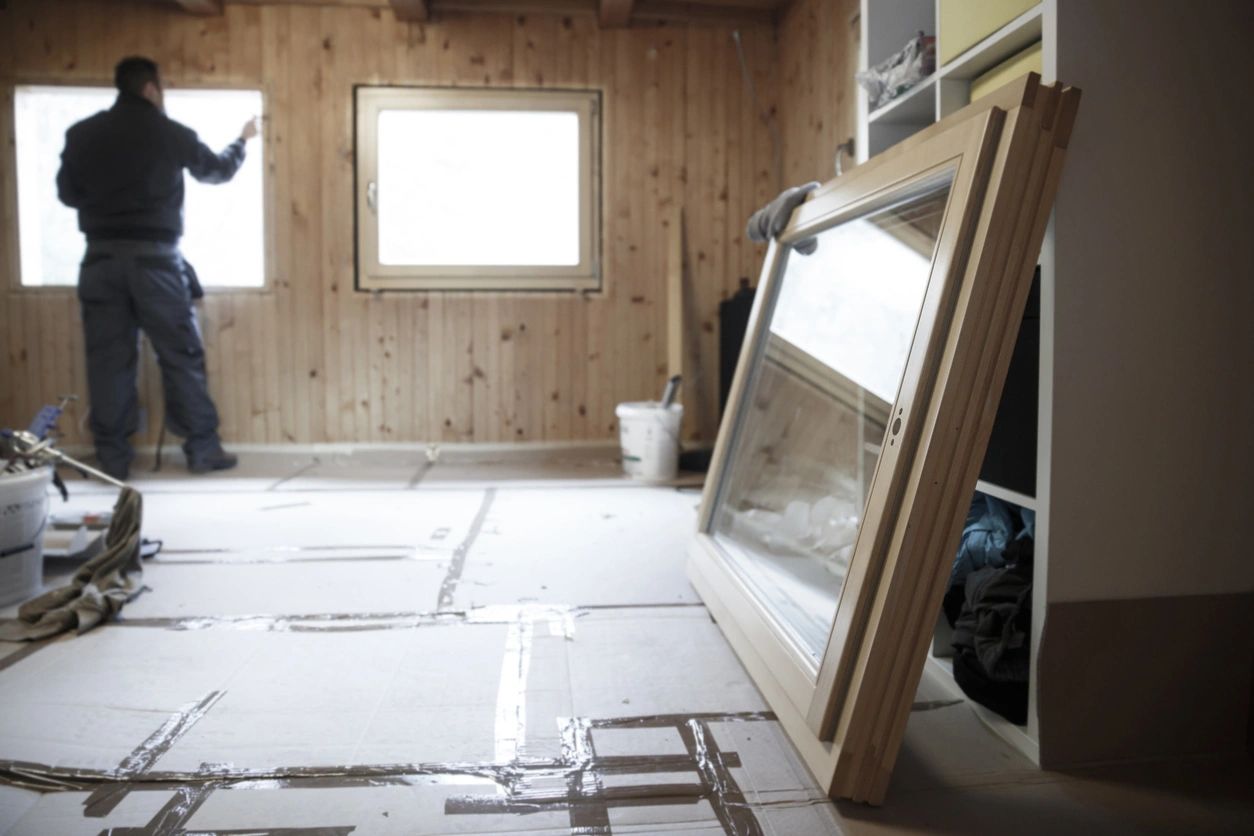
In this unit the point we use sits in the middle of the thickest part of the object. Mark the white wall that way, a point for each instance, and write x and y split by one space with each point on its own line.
1152 456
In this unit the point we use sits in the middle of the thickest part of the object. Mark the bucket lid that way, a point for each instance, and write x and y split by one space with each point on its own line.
642 408
38 475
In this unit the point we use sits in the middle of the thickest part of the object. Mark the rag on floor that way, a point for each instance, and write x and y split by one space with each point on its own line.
98 590
989 604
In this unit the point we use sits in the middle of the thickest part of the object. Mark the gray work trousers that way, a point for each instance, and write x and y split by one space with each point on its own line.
125 286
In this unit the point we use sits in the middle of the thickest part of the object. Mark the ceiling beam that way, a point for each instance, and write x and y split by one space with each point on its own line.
199 7
714 12
615 13
657 10
411 11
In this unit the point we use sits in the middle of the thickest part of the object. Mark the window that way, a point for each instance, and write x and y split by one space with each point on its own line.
861 408
49 242
477 189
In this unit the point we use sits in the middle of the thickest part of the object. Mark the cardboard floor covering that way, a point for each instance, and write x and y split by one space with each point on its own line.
379 644
399 657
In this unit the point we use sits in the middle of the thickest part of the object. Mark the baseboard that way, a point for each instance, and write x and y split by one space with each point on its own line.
521 449
1146 679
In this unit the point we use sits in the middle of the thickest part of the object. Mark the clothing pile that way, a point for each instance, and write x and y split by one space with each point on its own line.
989 605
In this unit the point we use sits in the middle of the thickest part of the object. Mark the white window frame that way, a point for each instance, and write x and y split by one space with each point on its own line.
258 147
373 275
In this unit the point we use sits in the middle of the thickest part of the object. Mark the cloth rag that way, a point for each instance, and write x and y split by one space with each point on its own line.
98 590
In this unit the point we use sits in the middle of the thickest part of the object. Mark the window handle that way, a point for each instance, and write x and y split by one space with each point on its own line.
372 196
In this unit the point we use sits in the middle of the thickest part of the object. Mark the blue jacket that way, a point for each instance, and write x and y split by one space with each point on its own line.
122 169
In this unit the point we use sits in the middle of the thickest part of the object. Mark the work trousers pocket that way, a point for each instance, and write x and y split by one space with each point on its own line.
96 280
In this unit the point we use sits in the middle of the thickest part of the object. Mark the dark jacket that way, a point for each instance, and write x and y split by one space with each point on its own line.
122 169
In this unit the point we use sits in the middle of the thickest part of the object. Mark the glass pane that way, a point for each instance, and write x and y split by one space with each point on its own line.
224 230
820 393
51 245
478 187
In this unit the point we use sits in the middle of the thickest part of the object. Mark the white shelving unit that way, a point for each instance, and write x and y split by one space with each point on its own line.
1006 495
914 107
886 26
1009 40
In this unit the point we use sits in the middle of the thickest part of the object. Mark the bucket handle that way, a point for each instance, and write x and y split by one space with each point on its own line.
34 541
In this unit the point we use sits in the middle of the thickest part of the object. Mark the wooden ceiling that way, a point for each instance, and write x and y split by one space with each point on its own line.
611 13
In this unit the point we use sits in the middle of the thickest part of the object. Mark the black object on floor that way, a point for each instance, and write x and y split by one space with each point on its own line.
733 321
696 461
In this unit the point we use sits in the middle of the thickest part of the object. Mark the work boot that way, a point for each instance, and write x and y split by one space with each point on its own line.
217 459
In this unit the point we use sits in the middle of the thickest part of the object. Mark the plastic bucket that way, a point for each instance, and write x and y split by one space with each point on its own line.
649 436
23 514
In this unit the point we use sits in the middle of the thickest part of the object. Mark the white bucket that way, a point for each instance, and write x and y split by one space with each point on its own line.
23 513
649 436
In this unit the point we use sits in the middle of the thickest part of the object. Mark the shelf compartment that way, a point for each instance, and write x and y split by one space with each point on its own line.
1017 736
916 106
1006 42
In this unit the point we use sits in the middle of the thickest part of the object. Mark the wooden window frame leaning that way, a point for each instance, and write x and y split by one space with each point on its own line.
847 716
372 275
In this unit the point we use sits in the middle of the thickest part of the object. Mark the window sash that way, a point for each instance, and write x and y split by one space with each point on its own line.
31 197
372 274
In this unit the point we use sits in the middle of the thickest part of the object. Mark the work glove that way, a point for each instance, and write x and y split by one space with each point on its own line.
769 221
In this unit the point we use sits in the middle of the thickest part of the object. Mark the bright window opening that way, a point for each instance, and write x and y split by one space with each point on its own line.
476 189
223 225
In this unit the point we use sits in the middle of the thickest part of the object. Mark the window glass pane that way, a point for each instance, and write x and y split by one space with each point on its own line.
478 187
224 230
224 224
821 390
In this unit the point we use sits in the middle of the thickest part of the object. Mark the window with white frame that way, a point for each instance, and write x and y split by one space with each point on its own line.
224 225
477 189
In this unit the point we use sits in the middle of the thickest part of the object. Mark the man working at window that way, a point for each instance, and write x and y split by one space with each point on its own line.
122 169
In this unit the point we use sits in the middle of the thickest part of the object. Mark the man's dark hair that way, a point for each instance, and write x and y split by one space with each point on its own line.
131 74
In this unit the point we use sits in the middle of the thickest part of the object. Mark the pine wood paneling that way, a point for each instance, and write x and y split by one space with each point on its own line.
818 56
309 359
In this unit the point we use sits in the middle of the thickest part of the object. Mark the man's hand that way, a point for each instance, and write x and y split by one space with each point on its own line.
251 128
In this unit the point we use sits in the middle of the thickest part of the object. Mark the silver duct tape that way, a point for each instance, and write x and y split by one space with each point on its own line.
554 619
657 721
367 546
577 753
525 623
572 782
458 562
310 623
511 700
170 819
250 561
298 554
103 801
178 724
588 801
726 797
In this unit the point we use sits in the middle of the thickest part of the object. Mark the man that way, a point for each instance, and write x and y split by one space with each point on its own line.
122 169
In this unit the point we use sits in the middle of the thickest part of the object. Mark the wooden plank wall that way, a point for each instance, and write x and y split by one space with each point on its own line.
310 360
818 56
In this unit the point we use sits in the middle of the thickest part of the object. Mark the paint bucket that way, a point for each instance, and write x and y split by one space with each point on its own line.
649 434
23 514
